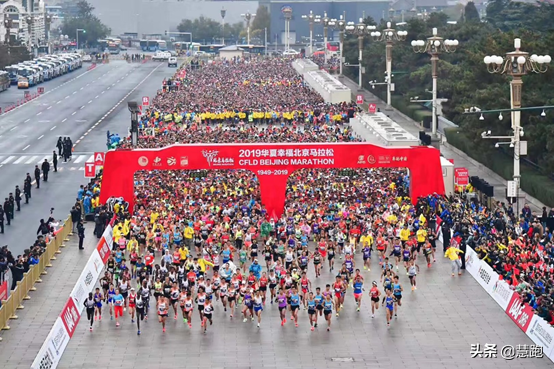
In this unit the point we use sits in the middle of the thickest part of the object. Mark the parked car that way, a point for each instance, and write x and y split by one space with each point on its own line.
87 58
290 52
172 62
161 56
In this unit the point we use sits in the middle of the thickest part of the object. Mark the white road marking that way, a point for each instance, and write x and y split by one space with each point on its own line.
103 91
52 128
80 158
67 97
59 102
32 159
26 147
39 113
26 120
40 137
74 113
48 108
91 158
20 160
96 97
13 128
82 107
47 158
64 119
9 158
81 88
89 101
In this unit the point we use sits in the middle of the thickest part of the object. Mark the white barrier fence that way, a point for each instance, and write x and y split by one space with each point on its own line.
53 347
536 328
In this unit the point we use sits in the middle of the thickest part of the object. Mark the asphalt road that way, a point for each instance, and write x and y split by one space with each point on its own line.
82 105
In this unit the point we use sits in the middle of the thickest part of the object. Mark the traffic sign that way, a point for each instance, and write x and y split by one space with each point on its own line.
372 108
512 189
40 90
99 158
90 170
359 99
145 101
461 176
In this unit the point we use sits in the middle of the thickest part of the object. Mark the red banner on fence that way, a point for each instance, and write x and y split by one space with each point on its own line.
519 311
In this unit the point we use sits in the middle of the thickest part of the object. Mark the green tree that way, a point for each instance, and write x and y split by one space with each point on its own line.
261 21
207 30
94 28
470 13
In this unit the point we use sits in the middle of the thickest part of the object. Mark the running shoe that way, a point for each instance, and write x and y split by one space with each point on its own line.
312 328
328 329
397 267
365 268
231 315
252 318
185 320
415 288
337 314
138 333
90 329
202 324
296 325
100 317
315 325
258 325
190 325
164 330
373 315
111 317
132 321
225 309
124 309
388 325
95 318
452 274
369 270
396 316
358 309
428 265
284 320
244 320
292 317
175 317
117 324
282 323
459 273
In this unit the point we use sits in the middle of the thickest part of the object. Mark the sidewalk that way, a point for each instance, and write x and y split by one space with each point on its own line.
448 151
22 342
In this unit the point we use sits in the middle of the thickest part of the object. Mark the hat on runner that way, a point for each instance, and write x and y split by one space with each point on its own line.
132 288
374 283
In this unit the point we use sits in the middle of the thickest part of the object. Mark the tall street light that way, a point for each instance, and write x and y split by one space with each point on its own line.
223 13
248 17
312 19
77 33
287 14
341 26
434 46
389 36
360 30
517 64
327 22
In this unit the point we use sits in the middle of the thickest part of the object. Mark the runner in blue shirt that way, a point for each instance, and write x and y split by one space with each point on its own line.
311 310
388 301
397 293
358 289
294 304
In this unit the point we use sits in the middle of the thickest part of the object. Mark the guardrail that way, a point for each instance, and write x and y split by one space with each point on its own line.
33 276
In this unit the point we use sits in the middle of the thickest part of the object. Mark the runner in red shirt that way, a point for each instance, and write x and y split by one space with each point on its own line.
263 286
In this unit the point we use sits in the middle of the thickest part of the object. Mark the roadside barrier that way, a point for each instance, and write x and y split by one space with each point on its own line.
33 276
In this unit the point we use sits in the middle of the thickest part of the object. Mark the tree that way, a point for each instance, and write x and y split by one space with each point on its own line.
470 13
94 28
261 21
208 30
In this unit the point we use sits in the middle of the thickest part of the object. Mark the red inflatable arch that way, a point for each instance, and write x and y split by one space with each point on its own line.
272 163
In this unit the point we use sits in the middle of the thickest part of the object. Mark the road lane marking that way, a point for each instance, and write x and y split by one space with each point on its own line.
58 102
20 160
64 119
26 147
96 97
67 97
74 92
40 137
89 101
13 128
32 159
9 158
81 88
52 128
74 113
48 108
82 107
39 113
80 158
103 91
26 120
47 158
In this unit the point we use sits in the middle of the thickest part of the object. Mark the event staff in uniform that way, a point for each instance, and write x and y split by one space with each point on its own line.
27 188
18 198
1 219
37 175
7 210
45 169
55 160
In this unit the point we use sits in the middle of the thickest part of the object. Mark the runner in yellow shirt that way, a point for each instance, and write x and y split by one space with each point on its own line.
421 235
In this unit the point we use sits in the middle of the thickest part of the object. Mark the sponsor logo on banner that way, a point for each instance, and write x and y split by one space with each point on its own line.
70 317
157 161
383 159
184 161
4 291
214 160
541 333
501 293
484 275
361 159
143 161
480 270
520 312
171 161
103 250
52 349
371 159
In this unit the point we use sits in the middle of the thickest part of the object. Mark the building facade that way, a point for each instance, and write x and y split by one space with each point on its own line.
24 21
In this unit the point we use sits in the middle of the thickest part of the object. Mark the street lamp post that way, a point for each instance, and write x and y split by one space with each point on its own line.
248 17
360 30
517 64
326 23
312 19
434 46
389 36
77 34
223 13
30 20
341 26
287 14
